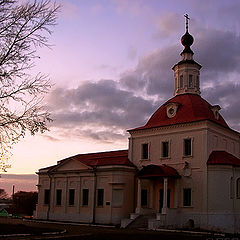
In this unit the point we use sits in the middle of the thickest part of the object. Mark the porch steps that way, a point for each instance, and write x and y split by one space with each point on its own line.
141 221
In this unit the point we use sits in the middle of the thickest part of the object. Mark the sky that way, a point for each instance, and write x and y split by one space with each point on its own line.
110 66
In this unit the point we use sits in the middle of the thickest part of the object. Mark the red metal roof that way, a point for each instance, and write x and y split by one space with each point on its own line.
119 157
192 107
151 171
223 158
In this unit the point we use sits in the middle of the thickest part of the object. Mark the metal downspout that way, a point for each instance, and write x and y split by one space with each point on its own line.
50 197
94 196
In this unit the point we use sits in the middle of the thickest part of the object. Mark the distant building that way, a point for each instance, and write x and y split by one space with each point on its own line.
182 167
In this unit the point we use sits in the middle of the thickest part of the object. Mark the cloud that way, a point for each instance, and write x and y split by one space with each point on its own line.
168 24
99 105
104 109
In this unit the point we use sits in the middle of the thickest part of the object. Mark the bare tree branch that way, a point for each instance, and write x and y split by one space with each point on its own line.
23 28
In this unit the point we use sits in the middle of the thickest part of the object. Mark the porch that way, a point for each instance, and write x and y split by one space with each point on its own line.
157 195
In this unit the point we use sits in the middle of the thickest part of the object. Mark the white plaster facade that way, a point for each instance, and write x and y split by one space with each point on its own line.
116 181
183 187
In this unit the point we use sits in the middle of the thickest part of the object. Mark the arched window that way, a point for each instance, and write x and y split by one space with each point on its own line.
197 82
190 81
238 188
181 81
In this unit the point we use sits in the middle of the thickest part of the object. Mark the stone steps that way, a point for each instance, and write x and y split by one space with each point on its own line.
141 221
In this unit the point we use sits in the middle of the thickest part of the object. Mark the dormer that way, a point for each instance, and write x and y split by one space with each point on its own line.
171 109
215 109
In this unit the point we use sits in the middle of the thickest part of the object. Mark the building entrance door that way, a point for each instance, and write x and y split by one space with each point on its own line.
161 193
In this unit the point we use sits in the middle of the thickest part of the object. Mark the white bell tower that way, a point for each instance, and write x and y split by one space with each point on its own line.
187 71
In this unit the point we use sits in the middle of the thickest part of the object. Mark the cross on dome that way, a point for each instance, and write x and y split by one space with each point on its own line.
187 18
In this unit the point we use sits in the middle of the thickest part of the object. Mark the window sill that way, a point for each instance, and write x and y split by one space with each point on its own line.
165 158
187 156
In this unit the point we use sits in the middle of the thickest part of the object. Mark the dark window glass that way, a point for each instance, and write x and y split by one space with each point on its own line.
238 188
145 151
46 196
187 196
71 196
59 197
100 197
144 197
187 147
181 81
197 82
165 149
85 197
190 81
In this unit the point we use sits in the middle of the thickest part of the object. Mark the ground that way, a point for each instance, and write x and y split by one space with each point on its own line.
84 232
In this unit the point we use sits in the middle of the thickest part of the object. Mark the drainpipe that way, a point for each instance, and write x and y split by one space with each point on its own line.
94 195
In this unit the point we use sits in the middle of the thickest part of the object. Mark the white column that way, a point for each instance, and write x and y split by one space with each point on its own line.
165 187
138 208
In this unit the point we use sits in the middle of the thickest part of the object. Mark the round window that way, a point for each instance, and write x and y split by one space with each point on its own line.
171 111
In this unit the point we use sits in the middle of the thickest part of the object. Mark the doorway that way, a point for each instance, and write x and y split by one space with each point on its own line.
161 194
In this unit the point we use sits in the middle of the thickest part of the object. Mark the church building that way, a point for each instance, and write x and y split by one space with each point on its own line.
182 168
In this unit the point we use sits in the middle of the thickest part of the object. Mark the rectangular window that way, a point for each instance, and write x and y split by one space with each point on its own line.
188 147
46 196
187 197
58 196
145 152
238 188
117 197
181 81
190 80
71 196
165 149
231 188
85 197
100 197
144 197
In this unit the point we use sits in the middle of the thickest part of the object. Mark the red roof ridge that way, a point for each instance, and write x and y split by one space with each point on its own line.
95 155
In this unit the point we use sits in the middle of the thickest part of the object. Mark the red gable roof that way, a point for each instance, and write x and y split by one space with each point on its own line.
192 108
151 171
223 158
103 158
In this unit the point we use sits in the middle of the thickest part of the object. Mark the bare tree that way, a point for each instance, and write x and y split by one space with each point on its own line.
23 28
3 194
